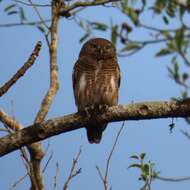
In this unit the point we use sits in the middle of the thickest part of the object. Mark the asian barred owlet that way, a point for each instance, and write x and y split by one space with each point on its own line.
96 81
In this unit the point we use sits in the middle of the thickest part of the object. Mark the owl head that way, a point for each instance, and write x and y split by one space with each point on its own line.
98 48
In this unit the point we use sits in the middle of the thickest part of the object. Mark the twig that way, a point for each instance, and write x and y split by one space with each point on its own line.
48 161
36 5
73 171
104 178
186 134
22 70
65 10
173 179
39 15
56 176
9 121
32 23
4 130
18 181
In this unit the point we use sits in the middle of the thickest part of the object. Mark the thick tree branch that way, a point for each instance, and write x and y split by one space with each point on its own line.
22 70
52 127
35 149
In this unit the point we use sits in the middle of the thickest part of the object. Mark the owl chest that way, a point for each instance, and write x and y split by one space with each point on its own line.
97 82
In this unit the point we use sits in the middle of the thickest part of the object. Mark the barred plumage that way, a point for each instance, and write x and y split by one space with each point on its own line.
96 81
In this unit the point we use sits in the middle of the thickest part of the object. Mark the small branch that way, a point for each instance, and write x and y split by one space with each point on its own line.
73 171
65 10
36 5
32 23
47 163
104 178
54 84
19 181
134 111
112 150
167 179
56 176
39 15
22 70
186 134
9 121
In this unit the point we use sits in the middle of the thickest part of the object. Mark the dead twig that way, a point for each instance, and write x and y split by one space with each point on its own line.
56 176
104 178
65 10
22 70
73 172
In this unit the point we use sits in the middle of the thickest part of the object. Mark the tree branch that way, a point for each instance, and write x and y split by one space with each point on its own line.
65 10
22 70
52 127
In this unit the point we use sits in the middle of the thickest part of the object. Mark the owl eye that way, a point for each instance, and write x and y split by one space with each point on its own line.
108 47
94 46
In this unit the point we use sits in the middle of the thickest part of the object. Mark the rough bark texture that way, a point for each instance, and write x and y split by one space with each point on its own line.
52 127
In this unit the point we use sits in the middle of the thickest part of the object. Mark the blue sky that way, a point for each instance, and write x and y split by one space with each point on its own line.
144 78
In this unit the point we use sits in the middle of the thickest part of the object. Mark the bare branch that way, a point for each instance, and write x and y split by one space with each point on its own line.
111 153
52 127
39 15
35 149
54 84
22 70
104 178
65 10
167 179
32 23
73 171
9 121
56 176
18 181
36 5
47 163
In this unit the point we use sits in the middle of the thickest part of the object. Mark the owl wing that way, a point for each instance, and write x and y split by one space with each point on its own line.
82 82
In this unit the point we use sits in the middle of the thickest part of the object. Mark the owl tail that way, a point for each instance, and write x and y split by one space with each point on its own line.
94 132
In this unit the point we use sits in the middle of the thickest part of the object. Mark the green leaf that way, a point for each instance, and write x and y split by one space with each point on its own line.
132 13
12 12
9 7
171 8
159 6
81 24
142 155
114 31
135 157
145 169
22 15
84 37
99 26
166 34
165 19
135 166
163 52
41 28
179 36
130 47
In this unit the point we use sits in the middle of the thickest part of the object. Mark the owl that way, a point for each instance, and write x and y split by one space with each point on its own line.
96 81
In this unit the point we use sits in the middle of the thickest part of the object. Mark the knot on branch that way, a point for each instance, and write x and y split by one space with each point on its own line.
144 110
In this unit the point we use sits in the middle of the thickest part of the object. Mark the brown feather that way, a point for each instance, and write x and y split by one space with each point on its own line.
96 81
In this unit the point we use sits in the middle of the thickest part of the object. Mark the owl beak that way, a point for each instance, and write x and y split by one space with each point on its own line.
101 51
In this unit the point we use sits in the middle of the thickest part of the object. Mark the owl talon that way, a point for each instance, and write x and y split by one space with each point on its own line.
103 108
89 111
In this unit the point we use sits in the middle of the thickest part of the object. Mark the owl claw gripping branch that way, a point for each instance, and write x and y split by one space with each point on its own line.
96 81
